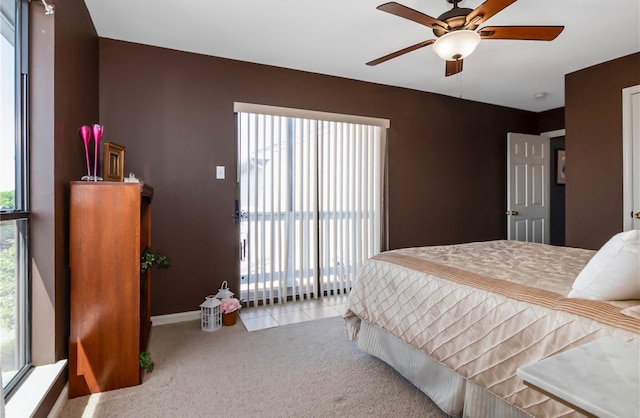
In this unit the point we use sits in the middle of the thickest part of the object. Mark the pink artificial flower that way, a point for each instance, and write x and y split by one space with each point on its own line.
229 305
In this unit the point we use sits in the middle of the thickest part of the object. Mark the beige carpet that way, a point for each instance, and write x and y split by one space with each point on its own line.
307 369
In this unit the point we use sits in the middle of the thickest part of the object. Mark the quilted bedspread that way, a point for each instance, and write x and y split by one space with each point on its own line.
484 309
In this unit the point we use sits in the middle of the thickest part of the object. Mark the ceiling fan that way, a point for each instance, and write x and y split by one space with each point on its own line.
455 31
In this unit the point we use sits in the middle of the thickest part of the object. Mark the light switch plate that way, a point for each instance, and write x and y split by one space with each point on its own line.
220 172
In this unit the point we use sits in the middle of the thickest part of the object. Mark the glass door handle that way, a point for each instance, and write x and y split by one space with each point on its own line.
243 250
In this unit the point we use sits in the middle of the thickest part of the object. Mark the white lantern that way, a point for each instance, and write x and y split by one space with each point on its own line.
224 292
211 315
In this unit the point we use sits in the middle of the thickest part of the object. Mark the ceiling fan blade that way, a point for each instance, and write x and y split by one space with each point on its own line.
486 10
403 11
401 52
530 33
452 67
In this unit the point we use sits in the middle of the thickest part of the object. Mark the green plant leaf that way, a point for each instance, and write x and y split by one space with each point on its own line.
150 258
145 361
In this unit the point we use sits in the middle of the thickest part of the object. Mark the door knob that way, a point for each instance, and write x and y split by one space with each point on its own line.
637 215
513 213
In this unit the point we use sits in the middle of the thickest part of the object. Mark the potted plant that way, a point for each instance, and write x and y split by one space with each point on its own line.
230 308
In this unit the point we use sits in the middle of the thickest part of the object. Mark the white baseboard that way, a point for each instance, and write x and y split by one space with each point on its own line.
175 318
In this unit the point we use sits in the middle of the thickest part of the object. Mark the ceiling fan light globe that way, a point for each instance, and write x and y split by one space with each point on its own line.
456 45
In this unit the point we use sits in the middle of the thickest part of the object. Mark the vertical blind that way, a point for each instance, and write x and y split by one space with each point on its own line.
311 198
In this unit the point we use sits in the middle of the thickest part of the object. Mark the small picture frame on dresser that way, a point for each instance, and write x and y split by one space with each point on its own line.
112 162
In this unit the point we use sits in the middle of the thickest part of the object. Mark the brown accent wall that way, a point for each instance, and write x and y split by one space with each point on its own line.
593 102
174 113
551 120
64 95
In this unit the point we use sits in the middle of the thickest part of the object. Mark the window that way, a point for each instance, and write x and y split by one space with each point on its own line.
14 215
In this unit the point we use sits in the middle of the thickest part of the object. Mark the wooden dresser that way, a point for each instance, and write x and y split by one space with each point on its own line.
110 226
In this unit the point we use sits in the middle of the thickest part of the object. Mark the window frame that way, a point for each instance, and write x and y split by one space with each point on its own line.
20 212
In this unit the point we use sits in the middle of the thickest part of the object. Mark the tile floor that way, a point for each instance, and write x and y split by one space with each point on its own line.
271 316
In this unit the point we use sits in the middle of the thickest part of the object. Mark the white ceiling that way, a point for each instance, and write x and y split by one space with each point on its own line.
337 37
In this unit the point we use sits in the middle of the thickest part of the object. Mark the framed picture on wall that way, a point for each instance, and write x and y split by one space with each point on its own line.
113 162
561 167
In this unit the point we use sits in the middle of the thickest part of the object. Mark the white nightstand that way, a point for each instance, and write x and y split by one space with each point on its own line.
601 377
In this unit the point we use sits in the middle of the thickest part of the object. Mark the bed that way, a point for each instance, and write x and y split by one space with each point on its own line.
458 320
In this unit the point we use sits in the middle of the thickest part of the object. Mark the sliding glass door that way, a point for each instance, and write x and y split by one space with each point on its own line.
310 205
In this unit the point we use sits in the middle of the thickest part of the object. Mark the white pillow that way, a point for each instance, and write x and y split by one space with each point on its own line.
614 271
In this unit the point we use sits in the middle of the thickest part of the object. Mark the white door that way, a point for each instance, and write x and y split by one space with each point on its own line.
528 188
631 149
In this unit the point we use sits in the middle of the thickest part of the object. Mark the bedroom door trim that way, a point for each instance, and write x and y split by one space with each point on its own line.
631 157
554 134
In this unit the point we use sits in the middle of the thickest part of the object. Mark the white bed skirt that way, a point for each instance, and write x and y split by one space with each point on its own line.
454 394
